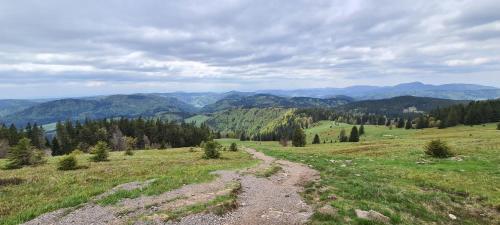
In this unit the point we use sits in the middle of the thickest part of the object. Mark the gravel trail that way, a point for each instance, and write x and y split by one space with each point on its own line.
261 201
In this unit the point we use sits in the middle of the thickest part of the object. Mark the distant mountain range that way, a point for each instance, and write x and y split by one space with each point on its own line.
179 105
446 91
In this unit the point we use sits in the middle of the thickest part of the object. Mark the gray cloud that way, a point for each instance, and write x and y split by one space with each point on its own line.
126 46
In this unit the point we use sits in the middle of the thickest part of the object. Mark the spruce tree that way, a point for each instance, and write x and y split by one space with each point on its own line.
299 138
354 137
361 130
56 148
401 123
408 124
342 136
100 151
316 139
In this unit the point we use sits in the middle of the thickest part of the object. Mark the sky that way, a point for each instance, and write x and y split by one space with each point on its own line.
59 48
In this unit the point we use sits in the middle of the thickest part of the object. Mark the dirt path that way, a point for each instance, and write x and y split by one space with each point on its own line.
272 200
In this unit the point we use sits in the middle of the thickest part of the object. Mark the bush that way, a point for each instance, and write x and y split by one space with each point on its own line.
67 162
100 151
498 126
77 152
129 152
211 150
233 147
342 136
438 149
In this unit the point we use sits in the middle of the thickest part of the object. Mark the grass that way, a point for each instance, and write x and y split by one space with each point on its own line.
388 172
269 171
219 205
45 189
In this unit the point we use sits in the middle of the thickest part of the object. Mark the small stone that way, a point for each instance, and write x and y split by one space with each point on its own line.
332 197
453 217
287 195
343 165
372 215
358 175
328 210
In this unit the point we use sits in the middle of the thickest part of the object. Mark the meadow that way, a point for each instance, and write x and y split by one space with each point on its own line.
44 188
387 171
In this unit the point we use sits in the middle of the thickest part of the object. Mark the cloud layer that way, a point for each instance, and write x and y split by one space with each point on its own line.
65 48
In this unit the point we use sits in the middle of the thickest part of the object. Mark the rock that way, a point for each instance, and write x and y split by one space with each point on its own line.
343 165
332 197
453 217
328 210
372 215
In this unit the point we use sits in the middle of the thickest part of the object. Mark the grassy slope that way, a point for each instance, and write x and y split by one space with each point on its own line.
384 174
198 119
46 189
249 120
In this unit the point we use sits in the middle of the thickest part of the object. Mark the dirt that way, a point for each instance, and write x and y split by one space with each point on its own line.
272 200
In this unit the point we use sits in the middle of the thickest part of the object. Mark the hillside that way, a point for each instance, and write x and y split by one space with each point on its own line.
110 106
395 106
9 106
249 120
266 101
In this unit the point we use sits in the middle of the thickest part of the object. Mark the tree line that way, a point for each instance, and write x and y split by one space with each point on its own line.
476 112
119 134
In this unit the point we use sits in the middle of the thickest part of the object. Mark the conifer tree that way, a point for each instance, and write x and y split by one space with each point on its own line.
354 137
361 130
342 136
56 148
316 139
299 138
408 124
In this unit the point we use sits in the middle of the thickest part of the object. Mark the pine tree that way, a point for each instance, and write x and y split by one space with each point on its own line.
401 123
24 154
299 138
56 148
316 139
100 151
361 130
408 124
354 137
342 136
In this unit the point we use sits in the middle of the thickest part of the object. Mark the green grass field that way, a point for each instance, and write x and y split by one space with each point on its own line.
388 172
46 189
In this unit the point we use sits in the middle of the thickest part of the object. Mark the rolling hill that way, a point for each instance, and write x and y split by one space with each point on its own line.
395 106
9 106
266 101
106 107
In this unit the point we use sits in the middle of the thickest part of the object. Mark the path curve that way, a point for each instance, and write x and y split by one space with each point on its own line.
262 201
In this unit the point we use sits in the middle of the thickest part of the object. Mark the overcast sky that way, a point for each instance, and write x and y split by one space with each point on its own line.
78 48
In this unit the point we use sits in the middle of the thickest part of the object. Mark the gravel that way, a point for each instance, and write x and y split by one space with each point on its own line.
273 200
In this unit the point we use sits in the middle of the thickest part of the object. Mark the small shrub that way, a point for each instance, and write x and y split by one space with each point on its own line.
67 162
129 152
100 151
10 181
438 149
233 147
211 150
77 152
37 157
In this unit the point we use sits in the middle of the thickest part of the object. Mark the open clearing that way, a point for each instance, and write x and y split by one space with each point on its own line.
388 172
45 189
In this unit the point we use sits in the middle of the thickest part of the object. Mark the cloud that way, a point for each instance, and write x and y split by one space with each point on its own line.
106 46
